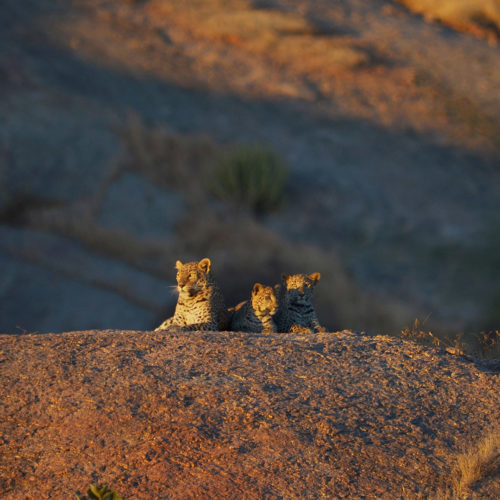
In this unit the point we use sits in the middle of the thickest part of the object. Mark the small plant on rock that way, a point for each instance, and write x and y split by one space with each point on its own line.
99 493
418 334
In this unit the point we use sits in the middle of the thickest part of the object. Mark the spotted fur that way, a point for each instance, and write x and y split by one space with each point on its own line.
256 314
200 305
296 313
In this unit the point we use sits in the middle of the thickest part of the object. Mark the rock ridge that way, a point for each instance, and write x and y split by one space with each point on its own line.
232 415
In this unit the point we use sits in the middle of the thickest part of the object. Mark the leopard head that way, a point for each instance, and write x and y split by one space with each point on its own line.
299 287
192 277
264 299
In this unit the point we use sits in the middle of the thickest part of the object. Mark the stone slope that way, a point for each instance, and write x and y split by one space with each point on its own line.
386 122
232 415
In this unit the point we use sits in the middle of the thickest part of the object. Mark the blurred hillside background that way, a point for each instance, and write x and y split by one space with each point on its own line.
375 125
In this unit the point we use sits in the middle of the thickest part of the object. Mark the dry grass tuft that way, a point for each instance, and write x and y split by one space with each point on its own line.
484 345
478 462
489 343
418 333
169 159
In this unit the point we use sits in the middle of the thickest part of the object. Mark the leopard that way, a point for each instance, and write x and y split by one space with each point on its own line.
200 305
256 314
296 313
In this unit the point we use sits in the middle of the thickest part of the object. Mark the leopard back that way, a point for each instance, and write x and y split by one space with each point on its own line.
200 305
256 314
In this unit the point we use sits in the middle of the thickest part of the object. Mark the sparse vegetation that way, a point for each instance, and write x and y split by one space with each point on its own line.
488 344
251 176
417 333
477 462
169 159
472 465
99 493
482 345
254 177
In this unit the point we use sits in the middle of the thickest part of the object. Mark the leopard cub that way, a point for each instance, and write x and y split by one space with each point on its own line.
256 314
296 313
200 305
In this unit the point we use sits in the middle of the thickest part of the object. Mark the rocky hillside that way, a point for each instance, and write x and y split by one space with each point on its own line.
115 114
230 415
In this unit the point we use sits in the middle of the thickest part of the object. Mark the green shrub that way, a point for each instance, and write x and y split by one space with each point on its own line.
100 493
254 177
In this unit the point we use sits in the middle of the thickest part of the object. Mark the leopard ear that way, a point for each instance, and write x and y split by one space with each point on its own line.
257 288
178 265
204 265
315 276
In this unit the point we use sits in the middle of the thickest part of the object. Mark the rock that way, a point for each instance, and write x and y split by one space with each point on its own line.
233 415
53 155
134 204
49 283
34 299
